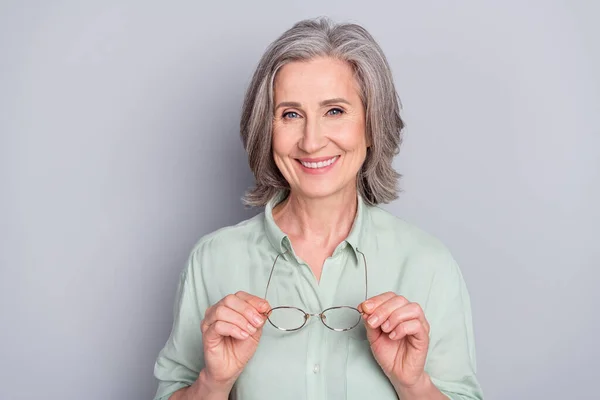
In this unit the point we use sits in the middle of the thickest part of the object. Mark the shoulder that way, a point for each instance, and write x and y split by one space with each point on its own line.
394 230
411 244
222 261
411 261
230 239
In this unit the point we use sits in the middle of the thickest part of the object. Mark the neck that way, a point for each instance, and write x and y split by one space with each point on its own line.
323 221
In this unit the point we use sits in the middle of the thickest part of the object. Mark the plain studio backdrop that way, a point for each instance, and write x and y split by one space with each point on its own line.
120 149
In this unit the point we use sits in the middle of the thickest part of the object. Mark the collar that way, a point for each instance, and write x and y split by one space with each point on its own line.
275 235
280 241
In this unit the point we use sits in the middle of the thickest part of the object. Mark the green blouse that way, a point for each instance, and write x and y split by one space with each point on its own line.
315 362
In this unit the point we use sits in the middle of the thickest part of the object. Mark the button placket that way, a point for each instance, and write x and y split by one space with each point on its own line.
314 362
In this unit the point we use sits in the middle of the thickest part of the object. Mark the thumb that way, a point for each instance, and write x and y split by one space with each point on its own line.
256 335
373 333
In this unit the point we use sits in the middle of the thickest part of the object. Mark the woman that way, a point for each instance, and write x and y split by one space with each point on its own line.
324 295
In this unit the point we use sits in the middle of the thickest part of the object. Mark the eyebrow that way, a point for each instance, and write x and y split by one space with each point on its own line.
288 104
333 101
322 104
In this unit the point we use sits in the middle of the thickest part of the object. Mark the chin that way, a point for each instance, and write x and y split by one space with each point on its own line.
318 192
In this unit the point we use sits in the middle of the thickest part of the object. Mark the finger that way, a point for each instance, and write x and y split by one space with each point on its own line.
371 304
238 305
373 334
413 328
380 314
260 304
222 328
223 313
403 314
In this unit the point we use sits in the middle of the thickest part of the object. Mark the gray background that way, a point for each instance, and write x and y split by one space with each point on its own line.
120 148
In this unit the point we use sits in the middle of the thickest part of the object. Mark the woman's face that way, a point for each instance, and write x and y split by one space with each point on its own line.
319 140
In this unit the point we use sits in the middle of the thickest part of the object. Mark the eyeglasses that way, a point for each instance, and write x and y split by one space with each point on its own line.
289 318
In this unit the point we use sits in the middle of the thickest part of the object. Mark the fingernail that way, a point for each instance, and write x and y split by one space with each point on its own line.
392 334
251 328
385 326
373 320
367 305
245 334
258 320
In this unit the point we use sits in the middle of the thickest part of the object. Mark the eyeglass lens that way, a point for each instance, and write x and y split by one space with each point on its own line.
336 318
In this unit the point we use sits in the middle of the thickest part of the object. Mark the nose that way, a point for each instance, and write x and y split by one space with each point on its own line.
313 138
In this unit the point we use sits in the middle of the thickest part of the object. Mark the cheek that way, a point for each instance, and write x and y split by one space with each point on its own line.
288 133
283 142
278 142
352 137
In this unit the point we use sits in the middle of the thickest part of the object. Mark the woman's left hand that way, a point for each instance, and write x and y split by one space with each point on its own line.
399 337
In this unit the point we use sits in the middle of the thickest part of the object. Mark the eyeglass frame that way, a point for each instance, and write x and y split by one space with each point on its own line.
321 315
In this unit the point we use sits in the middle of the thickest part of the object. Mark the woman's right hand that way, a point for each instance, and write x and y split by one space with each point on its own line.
231 331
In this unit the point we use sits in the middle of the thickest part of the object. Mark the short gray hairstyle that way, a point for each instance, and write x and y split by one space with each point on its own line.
377 181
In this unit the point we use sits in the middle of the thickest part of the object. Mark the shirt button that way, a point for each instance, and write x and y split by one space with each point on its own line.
316 368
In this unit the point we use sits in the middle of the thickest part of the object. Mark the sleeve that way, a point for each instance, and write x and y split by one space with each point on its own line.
181 359
451 360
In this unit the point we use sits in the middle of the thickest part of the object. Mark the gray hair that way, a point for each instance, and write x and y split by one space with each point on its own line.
377 181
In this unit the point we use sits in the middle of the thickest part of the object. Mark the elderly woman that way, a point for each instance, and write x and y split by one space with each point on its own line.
324 295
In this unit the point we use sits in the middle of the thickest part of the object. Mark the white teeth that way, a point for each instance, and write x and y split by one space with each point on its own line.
319 164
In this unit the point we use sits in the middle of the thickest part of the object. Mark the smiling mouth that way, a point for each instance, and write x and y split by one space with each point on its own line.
320 164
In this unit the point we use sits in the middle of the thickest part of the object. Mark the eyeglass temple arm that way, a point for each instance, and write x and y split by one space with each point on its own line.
271 273
357 250
366 275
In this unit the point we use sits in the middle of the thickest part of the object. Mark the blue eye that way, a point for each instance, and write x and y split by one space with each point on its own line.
290 114
335 111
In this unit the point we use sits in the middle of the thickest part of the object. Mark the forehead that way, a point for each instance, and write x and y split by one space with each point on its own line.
319 77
